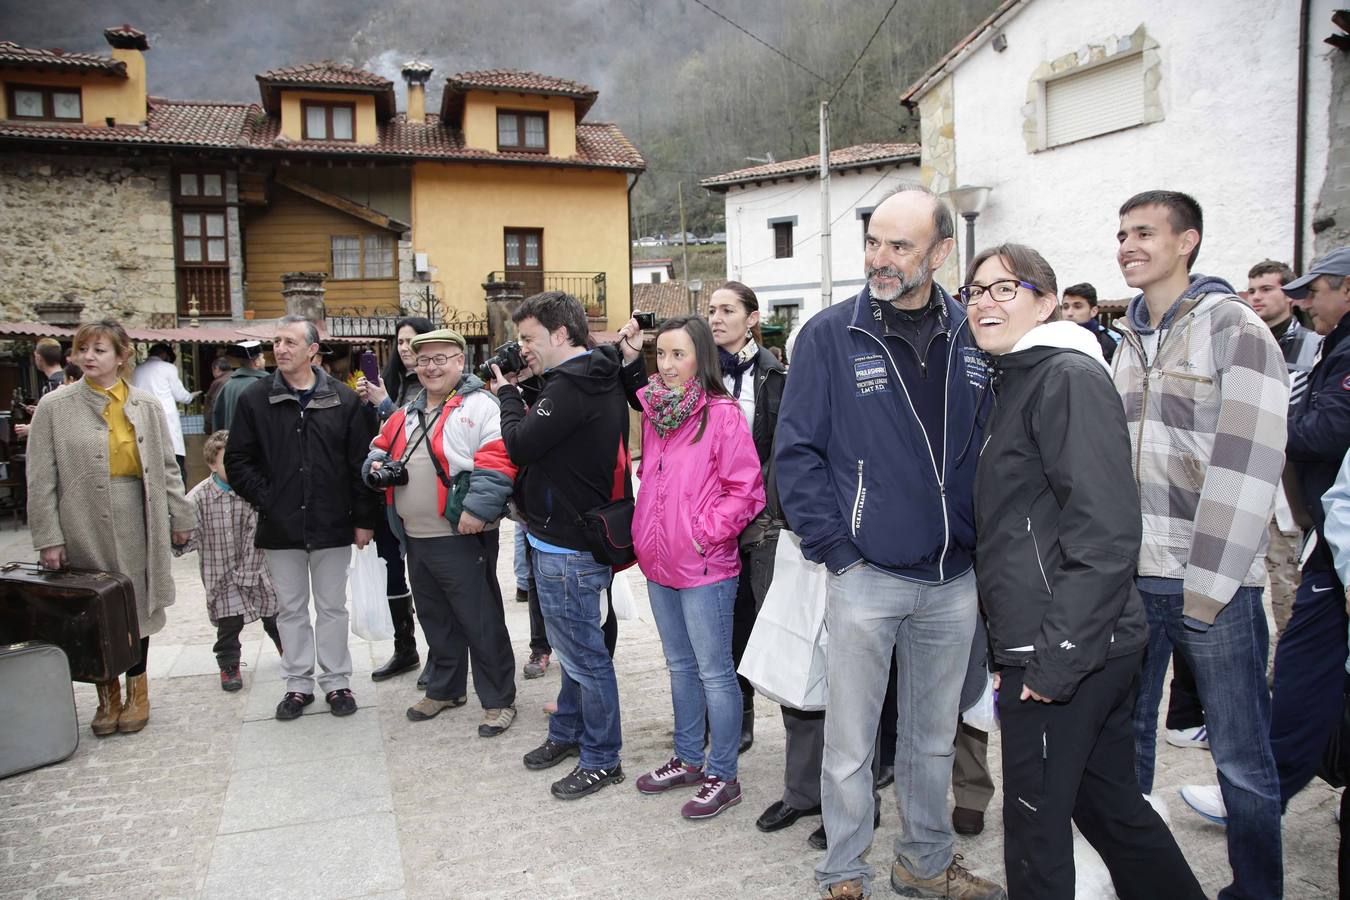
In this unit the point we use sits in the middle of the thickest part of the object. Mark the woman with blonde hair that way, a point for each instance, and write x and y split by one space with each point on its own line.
105 493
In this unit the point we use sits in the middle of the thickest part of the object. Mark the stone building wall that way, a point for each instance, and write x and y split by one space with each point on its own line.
99 229
1331 218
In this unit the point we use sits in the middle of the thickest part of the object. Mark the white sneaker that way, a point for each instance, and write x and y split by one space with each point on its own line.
1189 737
1207 801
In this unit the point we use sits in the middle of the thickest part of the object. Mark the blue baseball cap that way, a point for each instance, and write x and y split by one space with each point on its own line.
1336 264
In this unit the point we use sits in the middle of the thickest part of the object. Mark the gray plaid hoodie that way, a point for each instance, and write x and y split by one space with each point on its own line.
1206 409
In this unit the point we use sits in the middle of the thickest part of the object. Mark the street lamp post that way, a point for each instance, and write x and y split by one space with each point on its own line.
969 201
695 286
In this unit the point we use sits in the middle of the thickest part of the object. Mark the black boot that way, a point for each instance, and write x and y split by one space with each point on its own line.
405 655
747 725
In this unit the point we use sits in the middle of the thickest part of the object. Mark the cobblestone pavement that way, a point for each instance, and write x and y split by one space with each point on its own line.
215 798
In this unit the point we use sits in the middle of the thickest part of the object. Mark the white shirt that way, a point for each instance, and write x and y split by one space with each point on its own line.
155 376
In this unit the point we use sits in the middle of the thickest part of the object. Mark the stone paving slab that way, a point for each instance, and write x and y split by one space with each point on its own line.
282 795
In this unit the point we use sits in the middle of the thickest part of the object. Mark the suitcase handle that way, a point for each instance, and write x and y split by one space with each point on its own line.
35 567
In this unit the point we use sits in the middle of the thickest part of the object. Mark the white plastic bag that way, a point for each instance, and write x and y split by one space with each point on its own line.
785 656
368 583
621 595
982 715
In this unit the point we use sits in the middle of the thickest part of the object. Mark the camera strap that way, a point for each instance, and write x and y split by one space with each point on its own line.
440 472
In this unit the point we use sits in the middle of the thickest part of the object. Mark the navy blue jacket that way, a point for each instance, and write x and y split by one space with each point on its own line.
1319 432
859 476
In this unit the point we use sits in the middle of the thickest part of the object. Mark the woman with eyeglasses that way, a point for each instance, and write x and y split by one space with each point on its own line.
444 506
398 385
1058 531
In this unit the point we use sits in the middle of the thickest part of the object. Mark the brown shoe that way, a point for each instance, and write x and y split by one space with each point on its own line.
136 711
967 821
426 708
956 883
844 890
109 708
495 721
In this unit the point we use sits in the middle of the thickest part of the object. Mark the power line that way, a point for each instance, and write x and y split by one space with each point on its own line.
865 48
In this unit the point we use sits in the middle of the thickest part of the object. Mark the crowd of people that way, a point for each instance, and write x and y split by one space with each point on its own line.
999 488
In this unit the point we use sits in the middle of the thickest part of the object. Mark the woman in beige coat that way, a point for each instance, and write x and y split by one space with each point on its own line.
105 493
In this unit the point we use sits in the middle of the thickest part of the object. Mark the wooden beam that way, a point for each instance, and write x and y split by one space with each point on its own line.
341 204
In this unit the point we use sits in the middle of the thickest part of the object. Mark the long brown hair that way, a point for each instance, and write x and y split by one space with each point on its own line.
707 371
110 330
749 301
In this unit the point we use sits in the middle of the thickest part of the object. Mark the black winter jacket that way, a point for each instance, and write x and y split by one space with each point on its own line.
1319 433
770 377
302 470
573 439
1058 521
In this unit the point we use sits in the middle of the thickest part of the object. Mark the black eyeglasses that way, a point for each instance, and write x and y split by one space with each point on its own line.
1002 290
439 359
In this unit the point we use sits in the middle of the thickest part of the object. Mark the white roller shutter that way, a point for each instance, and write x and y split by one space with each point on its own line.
1101 99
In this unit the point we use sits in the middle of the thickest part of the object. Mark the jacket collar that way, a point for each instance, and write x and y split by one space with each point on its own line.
952 314
325 390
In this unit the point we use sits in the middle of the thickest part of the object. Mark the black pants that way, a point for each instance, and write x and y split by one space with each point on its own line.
460 604
1183 703
139 668
1074 762
228 629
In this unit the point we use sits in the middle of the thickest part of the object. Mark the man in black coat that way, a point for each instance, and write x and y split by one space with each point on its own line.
296 446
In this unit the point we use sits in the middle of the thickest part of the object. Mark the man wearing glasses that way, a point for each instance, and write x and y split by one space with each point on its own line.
877 441
444 507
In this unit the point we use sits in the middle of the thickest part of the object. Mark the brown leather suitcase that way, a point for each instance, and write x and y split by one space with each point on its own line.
89 615
37 707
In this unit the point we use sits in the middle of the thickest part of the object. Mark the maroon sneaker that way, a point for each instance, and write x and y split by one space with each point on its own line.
230 679
714 796
671 775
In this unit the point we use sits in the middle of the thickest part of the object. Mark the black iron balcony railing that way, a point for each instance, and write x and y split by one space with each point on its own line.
587 287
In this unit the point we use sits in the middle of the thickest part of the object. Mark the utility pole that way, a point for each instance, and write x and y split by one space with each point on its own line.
684 235
826 279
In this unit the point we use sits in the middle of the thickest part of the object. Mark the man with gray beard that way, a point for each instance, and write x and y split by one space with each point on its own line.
878 436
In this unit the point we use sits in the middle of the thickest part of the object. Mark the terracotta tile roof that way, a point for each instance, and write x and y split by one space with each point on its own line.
955 56
855 157
244 126
669 299
14 56
457 85
648 263
326 75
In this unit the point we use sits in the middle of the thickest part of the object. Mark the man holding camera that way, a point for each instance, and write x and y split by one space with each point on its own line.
571 448
446 478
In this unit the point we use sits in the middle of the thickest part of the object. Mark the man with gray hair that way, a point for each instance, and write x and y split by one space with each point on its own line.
296 447
878 435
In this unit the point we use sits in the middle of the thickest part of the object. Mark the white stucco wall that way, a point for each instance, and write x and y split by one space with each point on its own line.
750 244
643 272
1228 85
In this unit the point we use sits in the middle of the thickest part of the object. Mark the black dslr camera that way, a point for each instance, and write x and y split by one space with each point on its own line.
392 474
507 357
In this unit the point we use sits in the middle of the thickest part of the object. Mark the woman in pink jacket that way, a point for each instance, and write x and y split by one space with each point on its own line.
700 487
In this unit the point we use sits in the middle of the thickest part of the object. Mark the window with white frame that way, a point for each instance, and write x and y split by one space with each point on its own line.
1093 100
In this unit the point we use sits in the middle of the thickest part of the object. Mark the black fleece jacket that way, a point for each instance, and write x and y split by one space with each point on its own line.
572 440
1057 521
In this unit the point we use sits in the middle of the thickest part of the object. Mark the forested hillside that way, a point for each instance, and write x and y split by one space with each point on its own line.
695 92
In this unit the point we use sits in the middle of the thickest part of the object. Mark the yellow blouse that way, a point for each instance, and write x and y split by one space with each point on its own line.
123 460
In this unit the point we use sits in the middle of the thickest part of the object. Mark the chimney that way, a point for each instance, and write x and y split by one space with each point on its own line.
129 46
417 74
303 294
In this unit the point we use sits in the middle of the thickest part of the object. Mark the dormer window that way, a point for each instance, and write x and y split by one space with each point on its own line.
328 121
527 131
41 102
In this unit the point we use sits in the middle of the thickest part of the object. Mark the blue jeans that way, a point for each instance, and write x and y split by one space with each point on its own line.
695 626
571 587
928 627
521 563
1229 662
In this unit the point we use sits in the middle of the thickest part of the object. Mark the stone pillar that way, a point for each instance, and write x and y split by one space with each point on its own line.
503 299
234 245
303 293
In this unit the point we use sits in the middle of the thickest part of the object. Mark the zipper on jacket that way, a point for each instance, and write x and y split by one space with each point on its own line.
857 502
1035 545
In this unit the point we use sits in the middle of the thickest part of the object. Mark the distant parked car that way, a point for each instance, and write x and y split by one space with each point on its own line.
647 241
717 237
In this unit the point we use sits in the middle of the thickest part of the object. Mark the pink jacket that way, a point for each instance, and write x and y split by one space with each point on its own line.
705 492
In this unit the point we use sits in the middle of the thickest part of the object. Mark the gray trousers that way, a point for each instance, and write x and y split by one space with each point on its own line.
972 785
295 573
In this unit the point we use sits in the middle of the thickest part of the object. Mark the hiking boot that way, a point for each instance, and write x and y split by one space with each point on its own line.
537 665
495 721
293 704
230 679
844 890
715 796
341 702
549 754
955 882
426 708
669 775
580 782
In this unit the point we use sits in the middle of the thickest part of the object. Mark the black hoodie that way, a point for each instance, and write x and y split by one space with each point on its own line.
573 439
